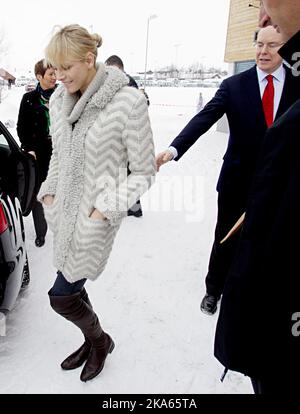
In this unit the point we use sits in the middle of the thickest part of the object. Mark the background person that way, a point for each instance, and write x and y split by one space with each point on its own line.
199 102
33 130
115 60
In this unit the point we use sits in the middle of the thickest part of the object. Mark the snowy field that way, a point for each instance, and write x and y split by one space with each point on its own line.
148 297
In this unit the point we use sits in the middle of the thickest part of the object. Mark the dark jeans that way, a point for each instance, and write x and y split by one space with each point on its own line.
39 221
230 208
62 287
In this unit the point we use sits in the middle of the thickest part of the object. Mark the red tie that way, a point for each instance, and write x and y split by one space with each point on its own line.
268 100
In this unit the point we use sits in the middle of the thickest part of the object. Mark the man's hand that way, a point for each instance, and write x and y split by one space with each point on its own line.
33 154
48 200
163 158
97 215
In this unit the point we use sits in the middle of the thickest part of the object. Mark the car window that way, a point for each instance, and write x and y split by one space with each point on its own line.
5 152
3 140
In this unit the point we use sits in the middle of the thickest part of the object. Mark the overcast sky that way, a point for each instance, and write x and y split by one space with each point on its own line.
183 32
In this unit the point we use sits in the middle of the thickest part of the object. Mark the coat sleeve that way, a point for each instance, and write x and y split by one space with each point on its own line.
202 121
23 126
137 137
50 184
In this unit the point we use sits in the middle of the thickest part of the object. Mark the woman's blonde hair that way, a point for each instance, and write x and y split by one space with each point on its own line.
71 42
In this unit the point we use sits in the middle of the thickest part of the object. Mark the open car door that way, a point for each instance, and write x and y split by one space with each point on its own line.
18 171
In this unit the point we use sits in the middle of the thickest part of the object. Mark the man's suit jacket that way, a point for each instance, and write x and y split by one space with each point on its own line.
258 330
261 298
239 98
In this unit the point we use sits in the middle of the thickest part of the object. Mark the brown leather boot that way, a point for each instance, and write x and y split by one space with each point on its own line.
77 358
74 309
95 362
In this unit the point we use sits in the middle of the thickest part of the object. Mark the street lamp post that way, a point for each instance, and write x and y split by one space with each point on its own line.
176 59
176 53
151 17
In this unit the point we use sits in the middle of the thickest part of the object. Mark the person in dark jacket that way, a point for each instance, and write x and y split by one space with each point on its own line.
114 60
33 131
258 331
241 98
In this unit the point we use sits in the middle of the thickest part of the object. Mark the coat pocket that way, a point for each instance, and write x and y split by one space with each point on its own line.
91 236
92 243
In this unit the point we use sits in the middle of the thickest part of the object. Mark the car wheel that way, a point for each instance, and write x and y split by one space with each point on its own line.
26 275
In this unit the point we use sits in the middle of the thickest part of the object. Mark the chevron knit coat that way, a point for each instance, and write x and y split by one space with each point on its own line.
94 137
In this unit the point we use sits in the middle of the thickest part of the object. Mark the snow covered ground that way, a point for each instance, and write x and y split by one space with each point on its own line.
148 297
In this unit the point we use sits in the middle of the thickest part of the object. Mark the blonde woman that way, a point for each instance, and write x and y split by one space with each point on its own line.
98 124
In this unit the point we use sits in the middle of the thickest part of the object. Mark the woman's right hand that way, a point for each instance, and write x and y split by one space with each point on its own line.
162 158
48 200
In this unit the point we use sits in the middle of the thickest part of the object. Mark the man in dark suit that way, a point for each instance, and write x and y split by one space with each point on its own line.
245 99
258 330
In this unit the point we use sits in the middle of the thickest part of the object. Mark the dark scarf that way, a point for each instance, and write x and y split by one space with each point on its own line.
44 100
45 94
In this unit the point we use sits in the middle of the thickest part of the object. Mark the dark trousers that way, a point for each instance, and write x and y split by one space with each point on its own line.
136 206
230 208
43 155
39 221
62 287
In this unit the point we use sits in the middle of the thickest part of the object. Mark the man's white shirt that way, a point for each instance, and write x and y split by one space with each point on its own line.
278 81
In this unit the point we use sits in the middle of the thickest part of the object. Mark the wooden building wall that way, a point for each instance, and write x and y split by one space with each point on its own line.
242 24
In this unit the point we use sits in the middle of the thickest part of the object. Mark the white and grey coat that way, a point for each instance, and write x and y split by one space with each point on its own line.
94 137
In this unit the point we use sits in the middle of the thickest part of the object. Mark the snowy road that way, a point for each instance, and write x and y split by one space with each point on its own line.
148 297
